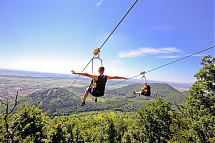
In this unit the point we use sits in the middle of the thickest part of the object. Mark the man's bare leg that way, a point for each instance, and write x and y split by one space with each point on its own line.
139 93
85 97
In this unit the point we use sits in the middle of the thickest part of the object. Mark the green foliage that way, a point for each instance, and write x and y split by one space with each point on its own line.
179 130
155 120
200 105
2 128
104 127
203 129
151 124
202 94
32 124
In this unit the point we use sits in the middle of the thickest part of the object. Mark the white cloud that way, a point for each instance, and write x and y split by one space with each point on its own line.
168 57
116 62
148 51
99 3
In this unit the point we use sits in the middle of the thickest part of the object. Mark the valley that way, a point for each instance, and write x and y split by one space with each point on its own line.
54 94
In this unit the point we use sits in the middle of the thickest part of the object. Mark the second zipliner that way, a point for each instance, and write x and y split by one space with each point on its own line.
145 89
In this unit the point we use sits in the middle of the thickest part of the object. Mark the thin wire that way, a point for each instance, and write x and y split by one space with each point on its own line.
106 40
82 71
180 59
167 64
118 24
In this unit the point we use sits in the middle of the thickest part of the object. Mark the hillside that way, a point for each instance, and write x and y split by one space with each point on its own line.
60 101
167 92
157 90
55 101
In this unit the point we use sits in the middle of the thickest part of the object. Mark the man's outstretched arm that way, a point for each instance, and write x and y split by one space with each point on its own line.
116 77
85 74
143 87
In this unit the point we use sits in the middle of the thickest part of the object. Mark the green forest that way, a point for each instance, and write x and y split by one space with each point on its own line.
55 115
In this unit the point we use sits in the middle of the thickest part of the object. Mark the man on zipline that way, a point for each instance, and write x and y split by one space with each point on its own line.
99 84
145 90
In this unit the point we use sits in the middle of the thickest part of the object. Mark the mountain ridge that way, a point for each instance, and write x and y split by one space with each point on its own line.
61 101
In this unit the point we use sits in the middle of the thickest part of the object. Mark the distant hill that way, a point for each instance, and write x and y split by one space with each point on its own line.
55 101
60 101
186 92
167 92
77 90
157 89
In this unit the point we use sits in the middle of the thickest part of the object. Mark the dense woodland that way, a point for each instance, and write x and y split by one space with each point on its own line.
159 120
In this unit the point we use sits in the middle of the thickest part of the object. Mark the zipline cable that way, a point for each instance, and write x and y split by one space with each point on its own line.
83 70
167 64
106 40
118 24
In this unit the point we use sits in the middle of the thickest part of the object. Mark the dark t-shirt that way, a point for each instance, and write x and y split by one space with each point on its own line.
147 91
100 86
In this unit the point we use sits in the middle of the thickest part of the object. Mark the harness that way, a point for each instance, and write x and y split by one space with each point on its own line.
97 87
147 90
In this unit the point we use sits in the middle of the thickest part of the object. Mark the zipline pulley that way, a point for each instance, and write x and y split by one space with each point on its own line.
96 53
143 75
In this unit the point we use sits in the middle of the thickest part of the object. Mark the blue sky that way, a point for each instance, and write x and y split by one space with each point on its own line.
60 35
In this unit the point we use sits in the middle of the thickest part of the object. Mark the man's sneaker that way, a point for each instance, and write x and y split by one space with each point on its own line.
95 100
134 92
83 103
